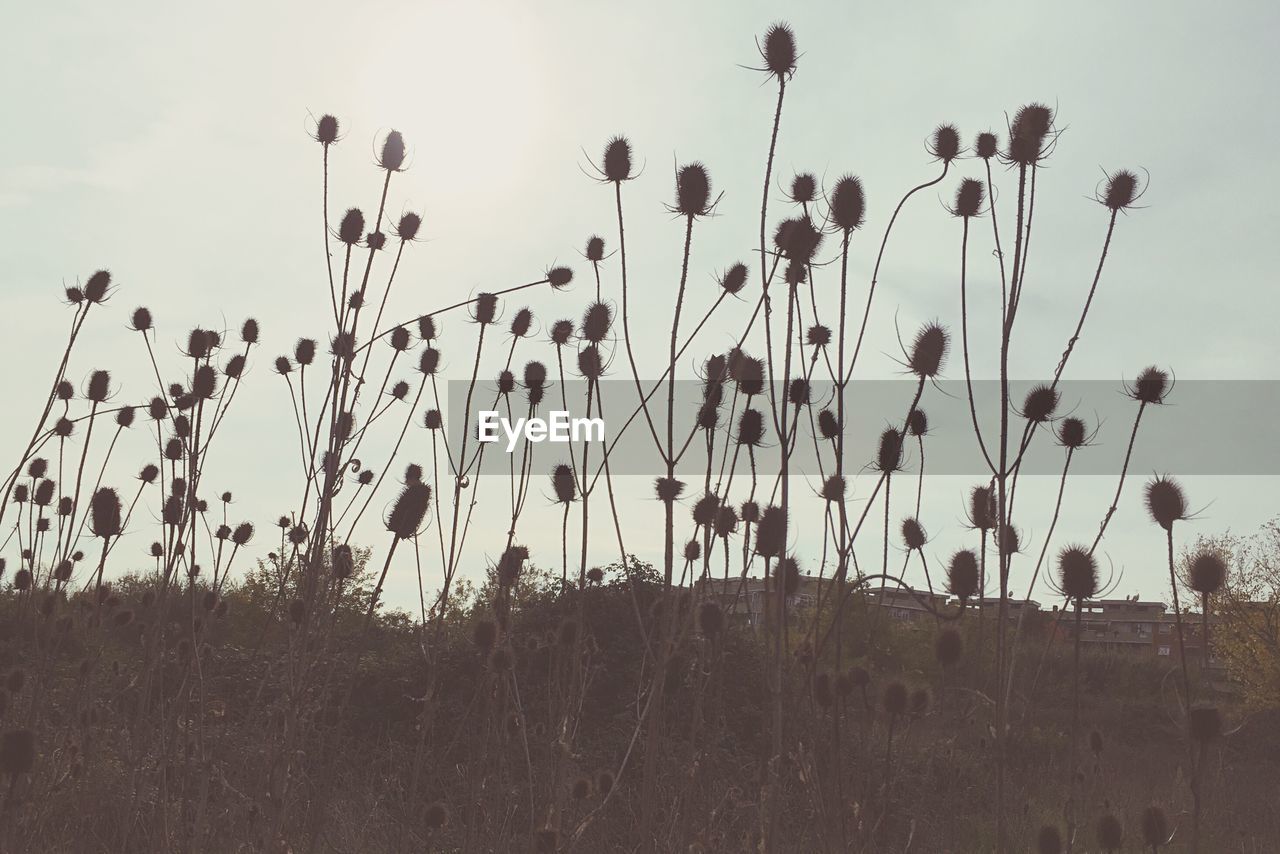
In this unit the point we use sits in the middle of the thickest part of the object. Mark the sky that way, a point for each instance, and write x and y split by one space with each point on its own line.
169 143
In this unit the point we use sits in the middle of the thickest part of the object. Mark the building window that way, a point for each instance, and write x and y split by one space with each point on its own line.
1164 629
1164 650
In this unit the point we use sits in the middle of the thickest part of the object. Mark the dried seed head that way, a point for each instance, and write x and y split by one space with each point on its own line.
948 647
833 488
889 453
789 572
779 51
734 279
344 564
848 203
692 551
705 509
962 575
1155 826
427 327
485 308
535 375
985 145
408 226
351 229
43 493
429 361
1071 433
1110 833
1166 502
65 390
798 392
249 331
1204 722
506 382
125 416
750 376
400 339
771 531
561 332
105 513
945 144
1031 125
235 366
391 157
693 190
432 420
983 512
242 533
562 483
616 163
928 351
1008 540
969 198
521 322
141 320
668 489
1207 573
1151 386
22 579
204 382
595 575
750 427
590 362
726 521
913 534
1077 573
917 422
596 322
595 248
797 239
326 130
894 698
1040 403
95 290
343 345
750 512
818 335
37 468
1049 840
1122 190
804 187
410 509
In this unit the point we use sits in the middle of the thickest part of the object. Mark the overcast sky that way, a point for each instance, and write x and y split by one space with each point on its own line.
168 142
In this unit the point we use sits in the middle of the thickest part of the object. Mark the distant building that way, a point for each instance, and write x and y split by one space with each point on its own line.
749 599
1131 624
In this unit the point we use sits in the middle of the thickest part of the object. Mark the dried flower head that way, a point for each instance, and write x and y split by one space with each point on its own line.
771 531
833 488
962 575
1040 403
917 422
693 190
668 489
913 534
141 320
616 163
734 279
410 509
351 229
95 290
249 331
804 187
945 144
797 239
1031 125
1077 573
391 157
985 145
818 335
983 513
1122 190
750 427
969 198
889 452
326 130
1151 386
848 204
408 226
1072 433
1207 572
779 51
928 351
1166 502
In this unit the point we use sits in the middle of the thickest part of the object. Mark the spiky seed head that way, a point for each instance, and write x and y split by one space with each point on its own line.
559 277
734 279
668 489
65 390
1155 826
962 575
326 130
510 564
17 752
804 187
22 579
945 144
43 493
928 351
917 422
37 468
595 575
408 226
750 512
427 327
1151 386
506 382
485 308
751 376
436 815
828 426
1072 433
970 196
798 392
535 374
692 551
243 533
1207 573
432 420
1110 833
141 320
590 362
833 488
344 563
343 346
391 157
1008 540
705 509
985 145
818 335
561 332
1031 125
616 163
429 361
948 647
596 322
983 512
848 203
726 521
895 698
693 190
797 239
1049 840
410 509
351 228
125 416
750 427
95 290
779 51
1204 722
771 531
105 513
710 619
1166 502
1040 403
1122 190
913 534
789 571
401 338
235 366
249 331
889 452
63 427
595 249
1077 573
